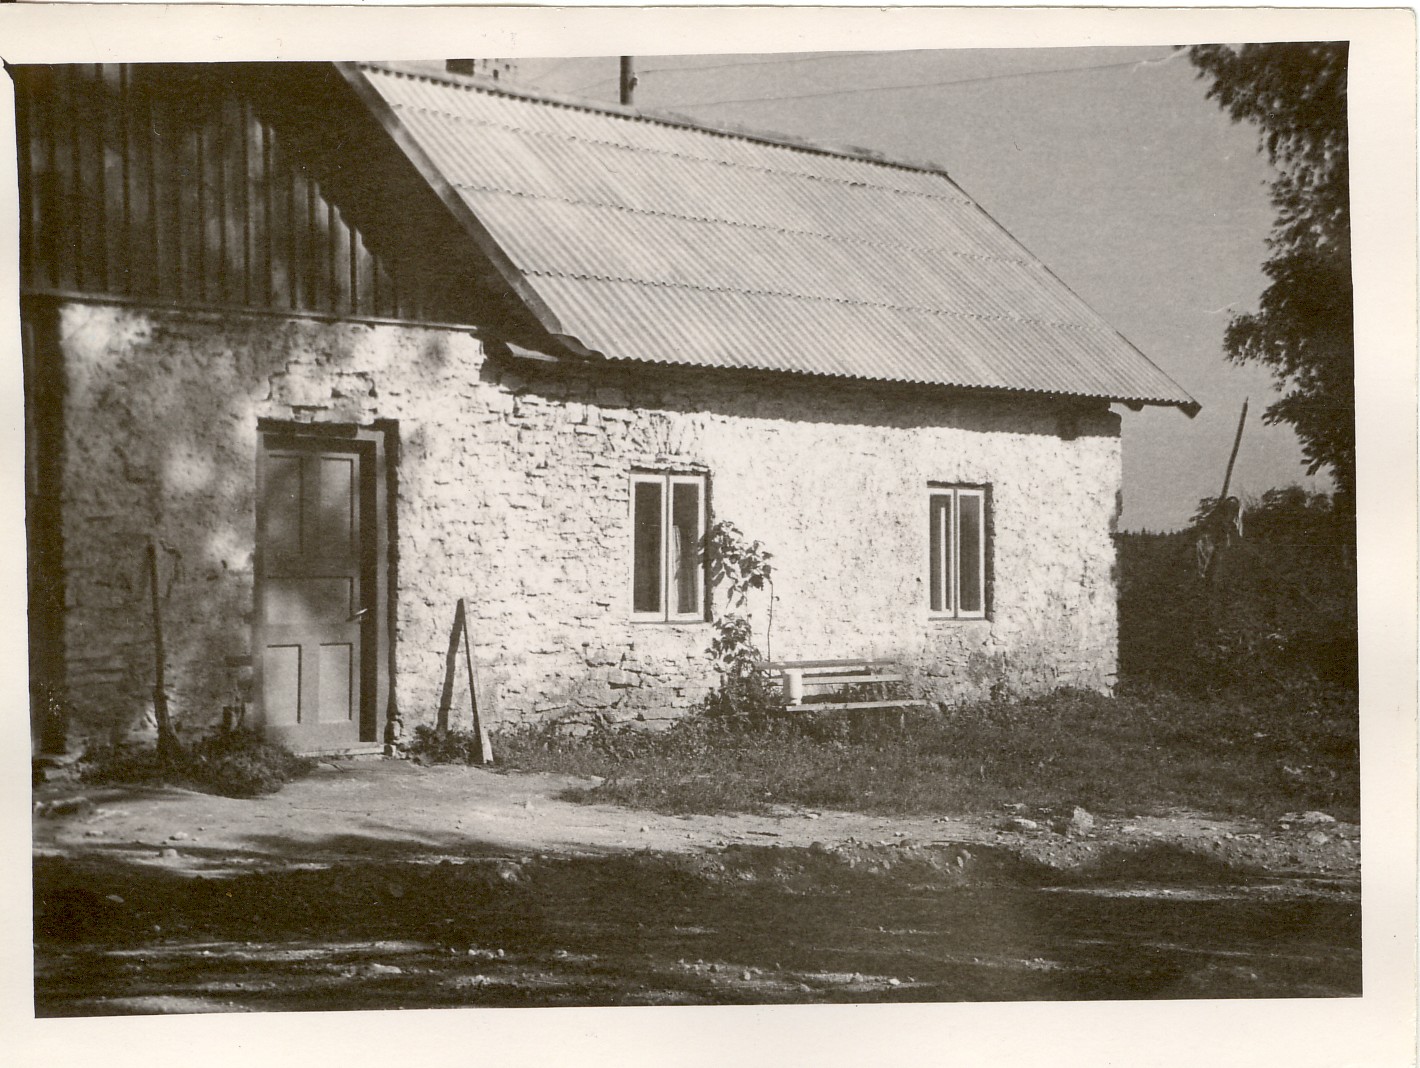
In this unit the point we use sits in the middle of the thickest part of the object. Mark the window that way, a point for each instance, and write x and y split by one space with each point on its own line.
667 530
957 540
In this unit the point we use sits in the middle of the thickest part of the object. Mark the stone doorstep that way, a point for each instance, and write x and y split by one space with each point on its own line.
365 751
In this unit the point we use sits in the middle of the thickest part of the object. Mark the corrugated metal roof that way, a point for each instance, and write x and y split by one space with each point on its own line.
656 240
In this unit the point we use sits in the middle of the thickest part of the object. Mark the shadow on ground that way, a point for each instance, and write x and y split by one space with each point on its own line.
739 925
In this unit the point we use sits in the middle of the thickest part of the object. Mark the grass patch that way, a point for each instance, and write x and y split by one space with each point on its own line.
1141 752
237 763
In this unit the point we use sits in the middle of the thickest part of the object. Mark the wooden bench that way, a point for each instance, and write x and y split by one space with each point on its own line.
800 676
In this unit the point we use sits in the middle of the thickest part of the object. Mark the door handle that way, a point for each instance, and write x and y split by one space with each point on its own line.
357 617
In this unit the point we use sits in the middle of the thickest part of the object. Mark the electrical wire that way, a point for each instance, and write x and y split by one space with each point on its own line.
589 85
558 66
912 85
730 66
765 62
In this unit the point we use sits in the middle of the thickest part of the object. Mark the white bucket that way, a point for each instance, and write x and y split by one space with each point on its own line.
793 687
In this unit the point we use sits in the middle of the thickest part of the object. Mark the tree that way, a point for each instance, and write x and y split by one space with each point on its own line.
1302 328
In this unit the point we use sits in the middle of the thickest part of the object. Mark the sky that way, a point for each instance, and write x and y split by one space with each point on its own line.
1108 163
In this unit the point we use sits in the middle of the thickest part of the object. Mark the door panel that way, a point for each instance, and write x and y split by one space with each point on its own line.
313 579
300 600
281 684
336 685
282 533
337 516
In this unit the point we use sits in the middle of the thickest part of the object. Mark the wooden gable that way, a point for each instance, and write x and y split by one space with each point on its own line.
261 186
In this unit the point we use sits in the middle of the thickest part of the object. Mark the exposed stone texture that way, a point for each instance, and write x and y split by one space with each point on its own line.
513 492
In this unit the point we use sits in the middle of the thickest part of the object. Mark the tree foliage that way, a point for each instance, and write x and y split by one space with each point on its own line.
1302 328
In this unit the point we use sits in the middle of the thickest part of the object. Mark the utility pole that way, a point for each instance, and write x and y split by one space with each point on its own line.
1224 520
628 80
1233 456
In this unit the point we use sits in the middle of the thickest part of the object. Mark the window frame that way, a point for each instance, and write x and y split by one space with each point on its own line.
667 481
946 552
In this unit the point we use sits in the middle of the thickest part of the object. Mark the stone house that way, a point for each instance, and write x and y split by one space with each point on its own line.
351 343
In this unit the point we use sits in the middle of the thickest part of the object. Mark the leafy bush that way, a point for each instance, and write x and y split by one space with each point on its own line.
242 763
235 763
750 697
735 562
732 649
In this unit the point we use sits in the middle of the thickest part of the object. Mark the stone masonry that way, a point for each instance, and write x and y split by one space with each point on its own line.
513 492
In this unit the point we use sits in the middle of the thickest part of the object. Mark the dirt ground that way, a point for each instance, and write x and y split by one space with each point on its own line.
386 884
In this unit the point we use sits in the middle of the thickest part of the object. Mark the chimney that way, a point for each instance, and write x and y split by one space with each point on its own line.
495 69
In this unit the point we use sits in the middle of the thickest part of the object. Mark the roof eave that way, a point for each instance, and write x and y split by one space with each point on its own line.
1189 407
563 348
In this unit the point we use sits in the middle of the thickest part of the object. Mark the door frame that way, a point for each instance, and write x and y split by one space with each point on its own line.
371 442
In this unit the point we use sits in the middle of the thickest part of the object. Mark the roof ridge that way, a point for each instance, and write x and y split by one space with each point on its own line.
962 198
533 272
477 83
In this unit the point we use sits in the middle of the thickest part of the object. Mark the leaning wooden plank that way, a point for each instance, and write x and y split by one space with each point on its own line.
480 729
826 706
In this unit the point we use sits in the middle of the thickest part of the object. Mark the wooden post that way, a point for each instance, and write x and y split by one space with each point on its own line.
485 744
1219 535
1232 457
168 744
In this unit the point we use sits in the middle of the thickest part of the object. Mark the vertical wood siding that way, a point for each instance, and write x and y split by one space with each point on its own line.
166 183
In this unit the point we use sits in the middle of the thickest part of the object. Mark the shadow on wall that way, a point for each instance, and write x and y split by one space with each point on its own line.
811 398
144 426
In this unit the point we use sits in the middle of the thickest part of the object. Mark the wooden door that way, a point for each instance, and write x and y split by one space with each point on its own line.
315 592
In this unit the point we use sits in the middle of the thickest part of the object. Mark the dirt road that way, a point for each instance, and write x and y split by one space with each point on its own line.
386 884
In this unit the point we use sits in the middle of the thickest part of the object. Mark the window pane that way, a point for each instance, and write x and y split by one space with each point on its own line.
939 563
646 563
970 556
685 547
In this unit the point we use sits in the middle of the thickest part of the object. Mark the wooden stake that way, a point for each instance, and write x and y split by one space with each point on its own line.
485 744
168 744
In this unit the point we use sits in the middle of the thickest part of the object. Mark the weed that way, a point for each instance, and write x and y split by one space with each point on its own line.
442 745
1145 750
235 763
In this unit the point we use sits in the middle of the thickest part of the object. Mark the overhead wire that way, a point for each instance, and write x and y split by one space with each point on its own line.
583 88
1148 61
729 66
918 85
763 62
558 66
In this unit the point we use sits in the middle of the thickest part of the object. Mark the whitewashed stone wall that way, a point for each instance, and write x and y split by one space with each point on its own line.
513 491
